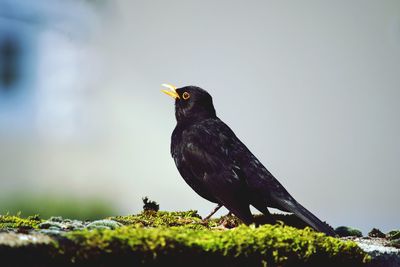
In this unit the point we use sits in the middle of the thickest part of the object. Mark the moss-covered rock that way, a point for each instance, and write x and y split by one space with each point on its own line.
375 232
191 219
395 234
171 239
348 231
269 245
23 249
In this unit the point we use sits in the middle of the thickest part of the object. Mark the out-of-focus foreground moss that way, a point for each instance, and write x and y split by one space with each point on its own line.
182 239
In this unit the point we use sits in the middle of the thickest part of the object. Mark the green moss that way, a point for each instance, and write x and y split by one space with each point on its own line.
150 218
191 219
287 219
16 222
395 234
270 245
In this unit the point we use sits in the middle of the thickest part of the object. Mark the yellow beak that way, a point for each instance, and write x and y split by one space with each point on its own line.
172 91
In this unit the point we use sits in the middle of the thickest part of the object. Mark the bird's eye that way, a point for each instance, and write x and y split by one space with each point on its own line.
186 95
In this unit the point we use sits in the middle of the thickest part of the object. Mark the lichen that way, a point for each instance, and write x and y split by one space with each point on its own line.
103 224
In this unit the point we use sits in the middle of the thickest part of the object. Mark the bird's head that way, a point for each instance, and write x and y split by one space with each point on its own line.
191 103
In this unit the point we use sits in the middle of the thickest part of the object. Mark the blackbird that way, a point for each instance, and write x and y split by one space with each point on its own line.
220 168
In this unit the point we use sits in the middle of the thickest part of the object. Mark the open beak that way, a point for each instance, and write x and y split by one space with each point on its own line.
171 92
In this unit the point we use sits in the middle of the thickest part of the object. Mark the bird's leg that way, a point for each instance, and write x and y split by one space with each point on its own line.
213 212
268 218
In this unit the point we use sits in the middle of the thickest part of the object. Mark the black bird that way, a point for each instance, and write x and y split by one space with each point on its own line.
220 168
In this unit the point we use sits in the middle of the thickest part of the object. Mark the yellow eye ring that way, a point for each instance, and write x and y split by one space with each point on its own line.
186 95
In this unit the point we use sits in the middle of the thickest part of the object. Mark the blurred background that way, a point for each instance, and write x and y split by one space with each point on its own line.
311 87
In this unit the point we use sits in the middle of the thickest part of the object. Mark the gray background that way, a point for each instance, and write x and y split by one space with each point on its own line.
311 87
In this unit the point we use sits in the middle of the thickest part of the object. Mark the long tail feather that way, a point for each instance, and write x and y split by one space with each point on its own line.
301 212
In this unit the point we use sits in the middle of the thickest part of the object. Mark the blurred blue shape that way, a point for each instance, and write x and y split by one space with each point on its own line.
22 24
17 73
9 62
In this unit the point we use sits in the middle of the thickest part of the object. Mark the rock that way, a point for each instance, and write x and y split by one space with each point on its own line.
376 233
20 240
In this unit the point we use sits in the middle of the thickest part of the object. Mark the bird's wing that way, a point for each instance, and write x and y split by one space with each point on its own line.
262 183
206 150
212 147
222 147
205 162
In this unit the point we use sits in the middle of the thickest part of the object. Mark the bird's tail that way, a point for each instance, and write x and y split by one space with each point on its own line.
301 212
